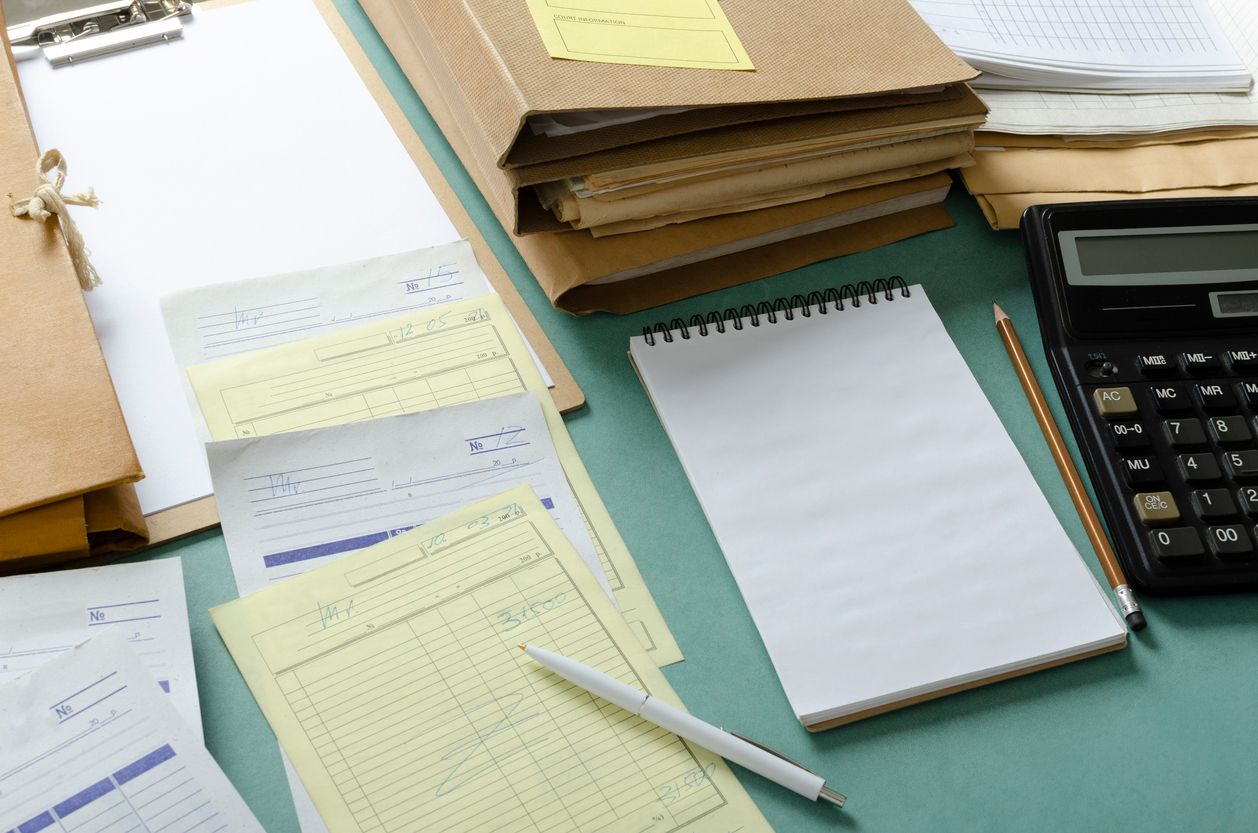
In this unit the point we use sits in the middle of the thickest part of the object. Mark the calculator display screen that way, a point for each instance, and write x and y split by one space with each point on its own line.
1160 256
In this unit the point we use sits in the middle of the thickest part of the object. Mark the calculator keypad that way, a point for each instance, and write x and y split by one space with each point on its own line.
1182 445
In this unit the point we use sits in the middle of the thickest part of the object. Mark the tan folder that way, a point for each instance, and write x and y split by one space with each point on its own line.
805 51
572 267
66 460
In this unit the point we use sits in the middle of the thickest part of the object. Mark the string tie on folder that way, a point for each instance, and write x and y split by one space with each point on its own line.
48 200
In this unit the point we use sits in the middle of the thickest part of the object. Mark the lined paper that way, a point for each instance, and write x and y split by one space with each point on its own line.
466 351
89 744
44 615
393 679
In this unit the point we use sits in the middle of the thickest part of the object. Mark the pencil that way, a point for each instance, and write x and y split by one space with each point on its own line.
1127 604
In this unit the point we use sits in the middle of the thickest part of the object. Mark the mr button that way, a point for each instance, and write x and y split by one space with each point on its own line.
1113 403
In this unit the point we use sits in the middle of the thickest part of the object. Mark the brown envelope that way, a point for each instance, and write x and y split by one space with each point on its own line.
1004 211
62 434
566 264
1214 164
807 51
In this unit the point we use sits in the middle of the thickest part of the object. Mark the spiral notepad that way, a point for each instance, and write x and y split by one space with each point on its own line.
885 533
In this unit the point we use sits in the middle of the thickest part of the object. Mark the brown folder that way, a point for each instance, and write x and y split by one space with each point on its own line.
569 265
66 460
813 50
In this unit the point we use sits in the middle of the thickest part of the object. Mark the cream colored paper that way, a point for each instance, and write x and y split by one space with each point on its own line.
461 352
393 680
655 33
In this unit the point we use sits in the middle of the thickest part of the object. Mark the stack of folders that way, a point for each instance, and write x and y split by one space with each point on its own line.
628 186
1164 111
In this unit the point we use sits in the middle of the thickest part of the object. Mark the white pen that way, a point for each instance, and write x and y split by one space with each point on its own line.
745 753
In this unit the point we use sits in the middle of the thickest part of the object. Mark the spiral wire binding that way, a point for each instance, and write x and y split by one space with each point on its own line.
772 311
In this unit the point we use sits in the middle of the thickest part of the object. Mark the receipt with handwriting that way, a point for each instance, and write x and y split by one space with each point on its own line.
89 743
393 681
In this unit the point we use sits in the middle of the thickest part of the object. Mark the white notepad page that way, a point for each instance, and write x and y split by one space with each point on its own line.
885 533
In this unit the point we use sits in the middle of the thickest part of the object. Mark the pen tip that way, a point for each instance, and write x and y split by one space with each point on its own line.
522 646
1000 313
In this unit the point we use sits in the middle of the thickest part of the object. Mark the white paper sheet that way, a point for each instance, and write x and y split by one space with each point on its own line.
43 615
871 505
1151 45
89 744
231 153
292 502
224 319
1014 111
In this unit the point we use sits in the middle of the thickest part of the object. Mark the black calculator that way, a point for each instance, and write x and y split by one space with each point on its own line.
1149 313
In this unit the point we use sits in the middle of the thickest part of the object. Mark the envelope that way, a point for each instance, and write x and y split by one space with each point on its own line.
66 459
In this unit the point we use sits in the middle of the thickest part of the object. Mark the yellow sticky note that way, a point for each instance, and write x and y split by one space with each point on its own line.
393 681
653 33
465 351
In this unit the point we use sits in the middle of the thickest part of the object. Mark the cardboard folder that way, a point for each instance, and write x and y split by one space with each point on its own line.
66 459
573 267
811 50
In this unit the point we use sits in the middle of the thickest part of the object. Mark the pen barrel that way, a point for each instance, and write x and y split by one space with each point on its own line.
733 749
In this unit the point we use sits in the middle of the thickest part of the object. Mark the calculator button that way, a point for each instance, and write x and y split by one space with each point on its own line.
1241 465
1242 359
1249 392
1197 467
1114 402
1141 471
1172 546
1182 433
1201 362
1214 396
1249 501
1156 507
1129 434
1229 429
1231 541
1214 503
1171 398
1152 364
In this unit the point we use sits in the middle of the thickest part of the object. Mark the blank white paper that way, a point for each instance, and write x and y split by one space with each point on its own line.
884 531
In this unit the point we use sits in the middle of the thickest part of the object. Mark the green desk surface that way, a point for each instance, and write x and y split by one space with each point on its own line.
1162 736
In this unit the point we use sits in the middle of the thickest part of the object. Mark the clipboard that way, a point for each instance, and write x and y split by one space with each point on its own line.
71 32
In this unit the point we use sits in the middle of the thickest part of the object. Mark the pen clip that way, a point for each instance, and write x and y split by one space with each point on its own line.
826 794
768 749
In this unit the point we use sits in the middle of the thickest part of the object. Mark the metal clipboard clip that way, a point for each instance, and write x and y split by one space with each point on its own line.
834 797
78 34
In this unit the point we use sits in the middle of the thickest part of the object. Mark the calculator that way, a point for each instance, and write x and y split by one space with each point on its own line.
1149 314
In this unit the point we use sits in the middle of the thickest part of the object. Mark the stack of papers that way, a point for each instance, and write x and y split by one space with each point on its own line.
333 437
1047 146
1116 46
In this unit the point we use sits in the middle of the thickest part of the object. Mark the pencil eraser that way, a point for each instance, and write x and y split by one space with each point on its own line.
1136 620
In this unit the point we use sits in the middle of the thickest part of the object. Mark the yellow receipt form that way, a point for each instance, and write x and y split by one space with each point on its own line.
393 681
656 33
466 351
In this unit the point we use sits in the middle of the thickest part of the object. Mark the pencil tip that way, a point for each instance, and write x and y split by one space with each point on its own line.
1000 313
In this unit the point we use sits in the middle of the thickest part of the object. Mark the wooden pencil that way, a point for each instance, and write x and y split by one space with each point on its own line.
1127 604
